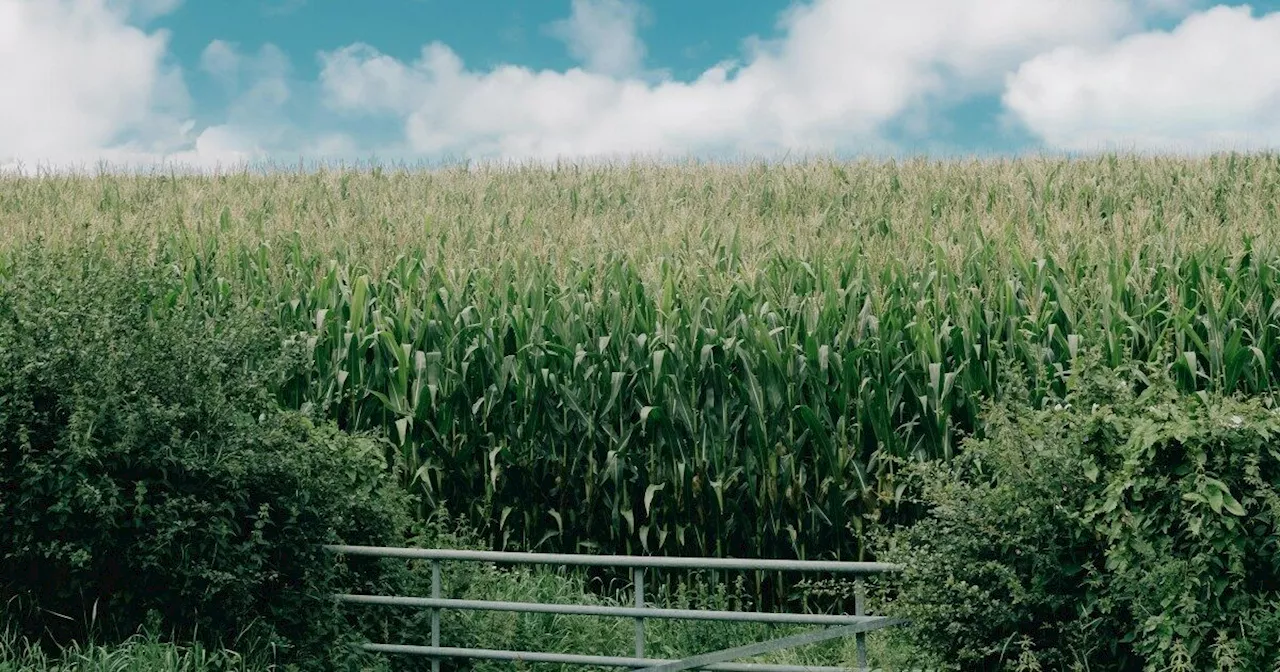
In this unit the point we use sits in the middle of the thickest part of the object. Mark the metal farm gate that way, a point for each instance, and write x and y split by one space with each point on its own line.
856 624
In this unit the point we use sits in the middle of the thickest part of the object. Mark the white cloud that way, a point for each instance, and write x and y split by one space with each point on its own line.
267 72
602 35
224 144
82 85
359 77
92 84
221 60
332 145
216 146
75 77
840 71
258 83
1213 82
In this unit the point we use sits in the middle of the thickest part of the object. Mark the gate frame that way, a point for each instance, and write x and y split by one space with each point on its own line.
840 625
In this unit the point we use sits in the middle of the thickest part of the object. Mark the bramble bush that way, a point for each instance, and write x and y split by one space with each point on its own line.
1124 527
149 477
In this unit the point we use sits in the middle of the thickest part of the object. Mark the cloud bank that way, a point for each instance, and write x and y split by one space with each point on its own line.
1211 83
84 83
841 70
96 83
76 76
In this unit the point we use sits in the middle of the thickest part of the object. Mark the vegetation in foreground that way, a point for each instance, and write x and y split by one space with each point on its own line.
138 654
697 359
693 360
1127 527
153 485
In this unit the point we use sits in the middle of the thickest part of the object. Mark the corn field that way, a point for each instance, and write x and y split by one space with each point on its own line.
698 360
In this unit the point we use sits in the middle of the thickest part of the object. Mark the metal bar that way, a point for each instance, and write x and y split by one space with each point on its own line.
669 562
601 610
859 609
639 581
435 613
578 659
725 655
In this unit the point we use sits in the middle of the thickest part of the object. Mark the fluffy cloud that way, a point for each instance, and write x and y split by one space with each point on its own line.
75 76
267 73
219 146
94 83
602 34
1213 82
81 85
256 123
221 60
841 70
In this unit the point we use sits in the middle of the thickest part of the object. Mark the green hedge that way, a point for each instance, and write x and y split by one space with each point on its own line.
1127 527
149 477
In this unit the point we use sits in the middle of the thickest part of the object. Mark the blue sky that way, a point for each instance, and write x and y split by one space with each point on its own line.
682 37
213 83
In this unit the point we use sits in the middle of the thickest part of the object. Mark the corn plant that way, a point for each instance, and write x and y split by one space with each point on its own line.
726 360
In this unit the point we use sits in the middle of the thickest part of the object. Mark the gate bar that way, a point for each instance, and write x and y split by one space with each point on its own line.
745 651
580 659
601 610
647 561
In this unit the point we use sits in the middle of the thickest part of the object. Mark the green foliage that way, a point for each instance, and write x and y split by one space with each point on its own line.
699 360
137 654
148 473
1127 527
570 407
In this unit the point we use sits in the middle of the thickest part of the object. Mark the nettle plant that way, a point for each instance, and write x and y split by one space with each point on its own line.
1125 526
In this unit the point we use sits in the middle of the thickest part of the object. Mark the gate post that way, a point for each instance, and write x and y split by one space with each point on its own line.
639 581
859 609
435 613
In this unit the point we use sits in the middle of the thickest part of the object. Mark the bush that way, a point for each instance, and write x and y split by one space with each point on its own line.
1126 527
148 475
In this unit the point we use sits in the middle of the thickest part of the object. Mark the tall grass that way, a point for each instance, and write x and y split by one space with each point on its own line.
138 654
720 360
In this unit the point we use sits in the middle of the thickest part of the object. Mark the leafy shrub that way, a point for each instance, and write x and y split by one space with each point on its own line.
1126 527
148 475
